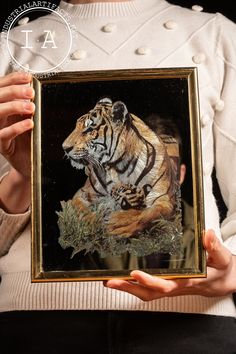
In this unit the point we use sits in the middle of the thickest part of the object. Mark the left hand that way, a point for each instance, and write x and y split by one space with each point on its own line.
220 280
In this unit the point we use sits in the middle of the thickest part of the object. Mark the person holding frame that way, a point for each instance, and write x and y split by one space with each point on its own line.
151 310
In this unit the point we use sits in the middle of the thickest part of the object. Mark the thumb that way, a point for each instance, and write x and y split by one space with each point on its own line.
219 257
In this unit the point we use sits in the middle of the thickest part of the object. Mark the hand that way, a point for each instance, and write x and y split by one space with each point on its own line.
220 281
15 126
15 121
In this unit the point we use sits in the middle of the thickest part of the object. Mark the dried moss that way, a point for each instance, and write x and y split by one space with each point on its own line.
164 236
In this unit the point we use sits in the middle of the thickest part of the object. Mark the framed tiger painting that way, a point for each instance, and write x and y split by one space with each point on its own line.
117 175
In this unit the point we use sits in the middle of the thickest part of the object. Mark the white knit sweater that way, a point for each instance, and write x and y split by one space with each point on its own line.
167 36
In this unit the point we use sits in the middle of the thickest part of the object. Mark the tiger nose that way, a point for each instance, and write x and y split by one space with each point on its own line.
67 149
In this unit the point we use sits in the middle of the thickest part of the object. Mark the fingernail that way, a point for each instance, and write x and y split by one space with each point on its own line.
29 106
25 75
28 92
214 244
28 123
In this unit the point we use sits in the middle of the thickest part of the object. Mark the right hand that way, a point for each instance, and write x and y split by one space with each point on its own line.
15 121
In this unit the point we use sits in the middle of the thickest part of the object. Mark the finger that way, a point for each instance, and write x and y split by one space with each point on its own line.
163 285
149 287
9 133
145 293
168 287
13 92
16 107
154 283
137 290
16 78
219 257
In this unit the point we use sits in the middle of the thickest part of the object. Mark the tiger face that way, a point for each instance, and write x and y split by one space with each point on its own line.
94 137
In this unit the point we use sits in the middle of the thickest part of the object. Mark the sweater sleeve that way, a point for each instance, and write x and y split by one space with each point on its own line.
11 225
225 128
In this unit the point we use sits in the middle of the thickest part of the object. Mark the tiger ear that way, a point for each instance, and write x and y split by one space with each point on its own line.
119 112
104 100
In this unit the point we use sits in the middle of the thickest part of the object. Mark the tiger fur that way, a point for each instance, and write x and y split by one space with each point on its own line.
124 159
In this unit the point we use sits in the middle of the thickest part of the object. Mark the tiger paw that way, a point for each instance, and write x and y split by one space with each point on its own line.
129 196
83 211
125 223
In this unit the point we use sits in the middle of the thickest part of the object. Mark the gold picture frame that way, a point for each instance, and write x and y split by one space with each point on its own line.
107 194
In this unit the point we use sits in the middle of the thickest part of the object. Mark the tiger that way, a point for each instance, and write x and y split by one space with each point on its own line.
122 155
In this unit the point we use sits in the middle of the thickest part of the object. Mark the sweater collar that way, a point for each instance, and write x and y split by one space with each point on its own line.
110 9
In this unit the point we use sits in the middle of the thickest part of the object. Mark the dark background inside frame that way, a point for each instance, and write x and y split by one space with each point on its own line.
63 104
